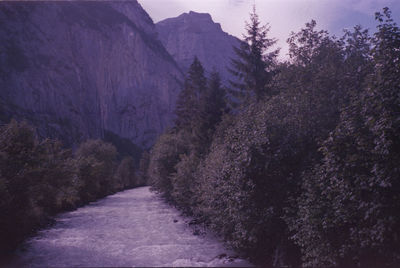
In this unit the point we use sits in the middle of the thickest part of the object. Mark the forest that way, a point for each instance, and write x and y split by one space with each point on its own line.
296 163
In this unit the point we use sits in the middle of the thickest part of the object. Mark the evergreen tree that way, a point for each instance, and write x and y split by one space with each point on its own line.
211 108
254 66
199 107
187 105
214 101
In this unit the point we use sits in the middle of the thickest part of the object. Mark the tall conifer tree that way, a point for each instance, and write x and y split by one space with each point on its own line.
254 66
211 108
187 105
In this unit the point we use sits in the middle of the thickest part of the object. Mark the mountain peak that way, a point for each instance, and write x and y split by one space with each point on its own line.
191 18
196 15
196 34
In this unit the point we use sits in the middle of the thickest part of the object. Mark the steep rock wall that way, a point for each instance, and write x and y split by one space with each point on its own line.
76 69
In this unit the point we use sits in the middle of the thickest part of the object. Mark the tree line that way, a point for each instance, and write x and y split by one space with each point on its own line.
39 178
298 162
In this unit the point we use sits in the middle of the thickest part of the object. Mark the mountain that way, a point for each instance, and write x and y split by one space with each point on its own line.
80 69
196 34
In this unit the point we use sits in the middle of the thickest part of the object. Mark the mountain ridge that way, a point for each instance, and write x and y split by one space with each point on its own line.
196 34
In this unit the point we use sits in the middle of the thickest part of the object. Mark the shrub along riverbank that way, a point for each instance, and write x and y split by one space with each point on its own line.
40 178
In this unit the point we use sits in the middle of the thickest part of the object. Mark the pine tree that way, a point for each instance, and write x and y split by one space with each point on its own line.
187 105
254 67
215 100
211 108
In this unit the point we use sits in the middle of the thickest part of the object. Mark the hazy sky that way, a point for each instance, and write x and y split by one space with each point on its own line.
283 16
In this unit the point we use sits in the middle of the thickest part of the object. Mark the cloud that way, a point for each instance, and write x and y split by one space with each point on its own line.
237 2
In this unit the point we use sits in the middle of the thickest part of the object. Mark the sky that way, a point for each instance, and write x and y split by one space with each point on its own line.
284 16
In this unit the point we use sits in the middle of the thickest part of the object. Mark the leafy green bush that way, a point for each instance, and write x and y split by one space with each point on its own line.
125 176
183 182
348 214
163 158
96 162
36 181
249 175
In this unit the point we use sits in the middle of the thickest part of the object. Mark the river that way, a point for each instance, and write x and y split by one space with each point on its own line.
130 228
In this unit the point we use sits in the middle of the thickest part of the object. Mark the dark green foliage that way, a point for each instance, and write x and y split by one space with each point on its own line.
176 155
37 180
254 67
250 175
212 106
17 146
214 102
312 81
163 158
200 107
124 146
40 178
143 168
187 105
357 64
228 181
348 215
96 164
125 176
57 181
307 172
184 181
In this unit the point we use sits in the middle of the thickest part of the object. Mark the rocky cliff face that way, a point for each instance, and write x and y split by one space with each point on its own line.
77 69
195 34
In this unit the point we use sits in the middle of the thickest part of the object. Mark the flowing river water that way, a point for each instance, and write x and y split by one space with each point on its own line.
130 228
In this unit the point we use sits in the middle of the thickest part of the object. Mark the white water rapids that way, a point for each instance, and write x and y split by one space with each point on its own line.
130 228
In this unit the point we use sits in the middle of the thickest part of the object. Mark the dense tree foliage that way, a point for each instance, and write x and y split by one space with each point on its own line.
307 172
348 214
124 146
39 178
164 156
175 156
